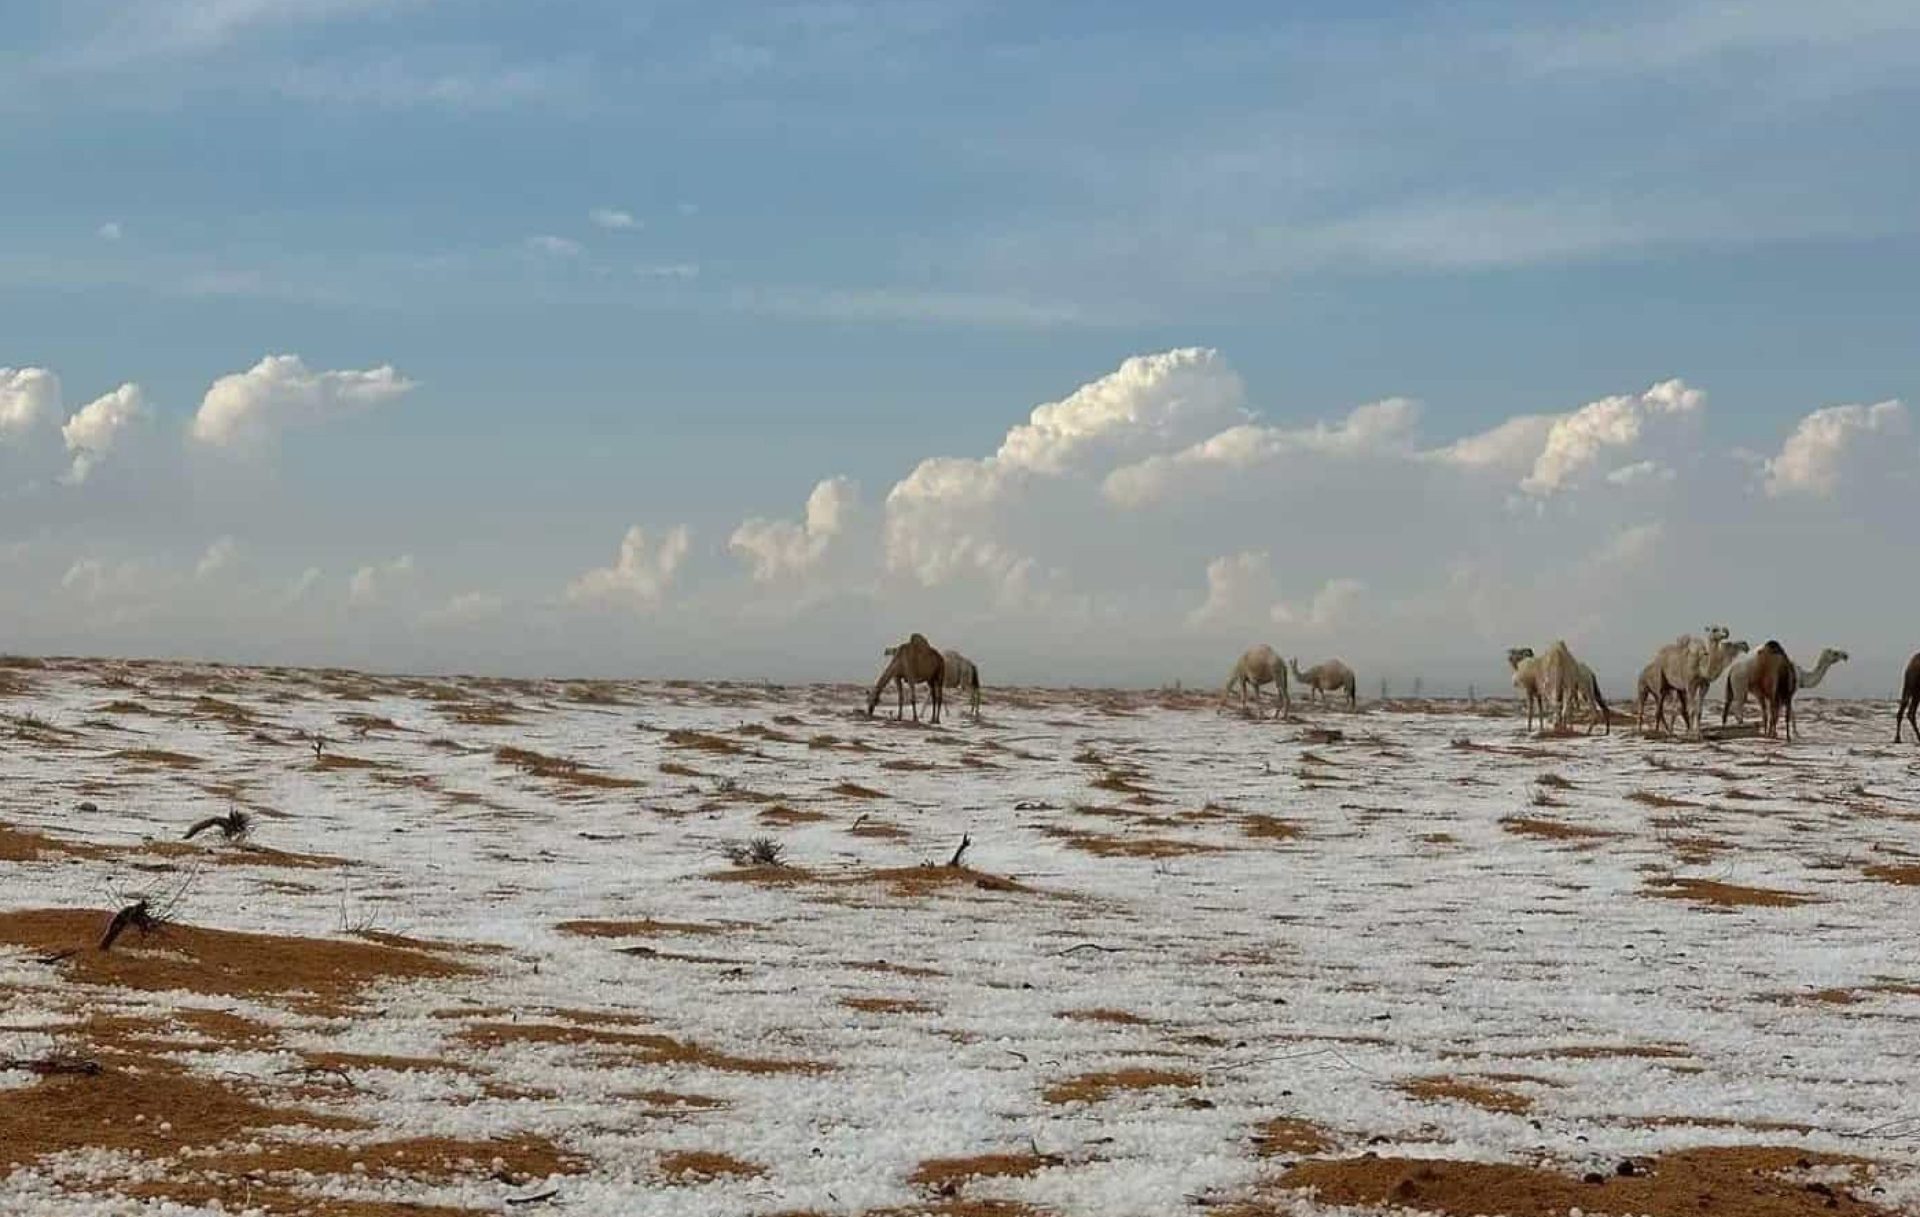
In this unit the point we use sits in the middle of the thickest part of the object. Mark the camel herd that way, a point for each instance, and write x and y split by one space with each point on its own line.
1682 670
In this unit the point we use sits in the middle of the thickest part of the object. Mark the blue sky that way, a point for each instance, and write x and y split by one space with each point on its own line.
676 264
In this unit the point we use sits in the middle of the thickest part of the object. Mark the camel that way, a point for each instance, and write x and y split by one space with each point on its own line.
913 662
1324 678
962 673
1586 693
1529 677
1909 700
1575 686
1773 681
1260 665
1686 668
1740 675
1558 680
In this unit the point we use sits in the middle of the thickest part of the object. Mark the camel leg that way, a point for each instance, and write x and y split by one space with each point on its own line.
1913 712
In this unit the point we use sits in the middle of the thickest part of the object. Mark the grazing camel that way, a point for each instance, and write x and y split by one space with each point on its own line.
913 662
1260 665
1558 680
1909 700
1773 681
1529 677
1740 676
1586 693
962 673
1324 678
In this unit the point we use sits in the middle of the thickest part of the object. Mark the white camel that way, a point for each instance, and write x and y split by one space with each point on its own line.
1260 665
963 673
1529 677
1740 680
1558 681
1332 676
1586 694
1685 669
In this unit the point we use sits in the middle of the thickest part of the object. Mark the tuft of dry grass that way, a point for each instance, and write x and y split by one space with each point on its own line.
700 741
1553 830
322 975
158 756
948 1174
1725 895
1287 1136
1099 1086
1103 846
700 1166
1907 876
1465 1090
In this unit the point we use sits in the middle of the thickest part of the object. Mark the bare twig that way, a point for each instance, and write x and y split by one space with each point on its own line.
536 1198
965 841
135 915
233 826
1089 946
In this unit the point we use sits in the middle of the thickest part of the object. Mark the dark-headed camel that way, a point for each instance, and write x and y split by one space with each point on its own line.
1773 682
913 662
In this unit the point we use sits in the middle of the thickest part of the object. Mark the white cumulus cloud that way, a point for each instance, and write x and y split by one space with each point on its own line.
1582 440
28 396
940 517
555 247
1814 456
1378 427
97 427
776 548
641 575
244 410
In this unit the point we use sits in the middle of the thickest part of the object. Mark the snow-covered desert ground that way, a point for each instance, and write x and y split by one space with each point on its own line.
483 949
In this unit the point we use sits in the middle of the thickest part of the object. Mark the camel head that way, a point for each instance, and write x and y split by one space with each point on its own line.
1739 648
1832 655
1517 655
1718 633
